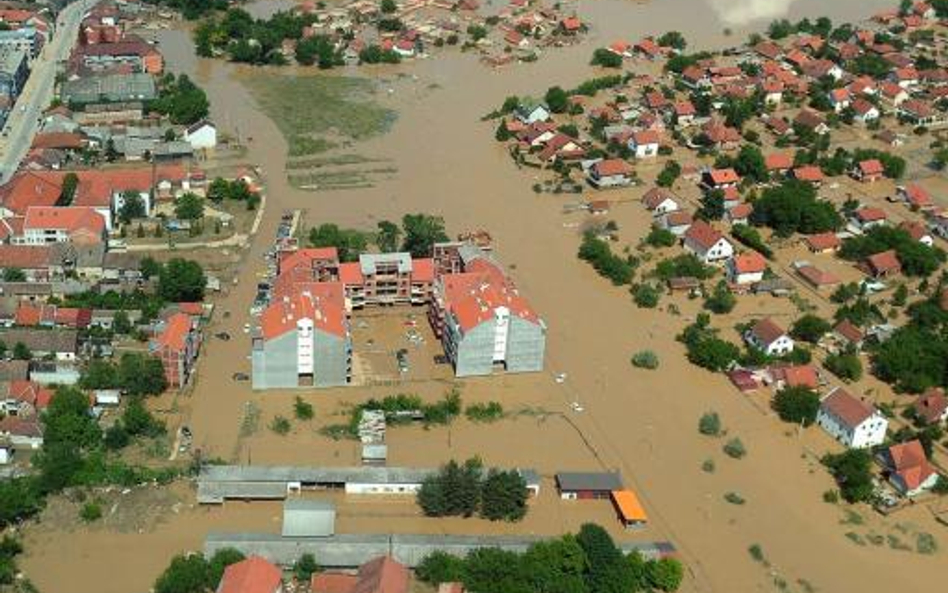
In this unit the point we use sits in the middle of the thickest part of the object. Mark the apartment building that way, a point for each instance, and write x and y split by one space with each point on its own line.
303 339
483 322
177 345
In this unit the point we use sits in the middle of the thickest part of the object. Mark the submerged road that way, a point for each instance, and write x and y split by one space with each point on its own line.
23 122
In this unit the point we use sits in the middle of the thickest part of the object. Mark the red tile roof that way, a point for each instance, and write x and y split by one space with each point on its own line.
350 273
703 234
305 257
870 214
767 332
382 575
848 330
931 405
910 463
823 241
871 167
253 575
333 582
25 257
884 262
749 263
72 219
797 376
779 161
810 173
817 277
722 176
321 302
851 411
474 295
422 270
610 167
175 334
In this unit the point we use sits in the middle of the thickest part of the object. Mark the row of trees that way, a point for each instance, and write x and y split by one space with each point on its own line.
135 374
466 489
588 562
597 252
917 259
417 235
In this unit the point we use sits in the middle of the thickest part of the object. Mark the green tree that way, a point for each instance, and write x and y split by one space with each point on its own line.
664 574
189 206
185 574
181 100
121 324
388 6
20 499
712 205
14 275
349 243
504 496
149 267
133 206
138 421
793 207
21 352
556 566
721 300
605 58
388 236
845 366
68 192
674 40
99 374
70 431
182 280
422 231
645 295
141 374
670 172
798 405
556 99
440 567
853 472
750 164
305 567
608 571
810 328
219 562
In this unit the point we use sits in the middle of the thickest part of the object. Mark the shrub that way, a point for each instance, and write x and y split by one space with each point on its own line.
710 424
810 328
831 496
303 410
734 498
845 366
305 567
659 237
707 466
756 552
489 412
734 448
721 300
90 512
645 359
645 296
280 425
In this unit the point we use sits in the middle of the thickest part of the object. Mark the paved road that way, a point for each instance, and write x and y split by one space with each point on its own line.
38 91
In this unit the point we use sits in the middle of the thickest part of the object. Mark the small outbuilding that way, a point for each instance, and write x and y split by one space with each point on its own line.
629 509
308 518
587 485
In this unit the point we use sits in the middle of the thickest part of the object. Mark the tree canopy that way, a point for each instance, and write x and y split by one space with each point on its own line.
793 207
182 280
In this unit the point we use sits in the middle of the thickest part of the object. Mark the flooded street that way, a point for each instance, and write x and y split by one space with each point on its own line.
642 423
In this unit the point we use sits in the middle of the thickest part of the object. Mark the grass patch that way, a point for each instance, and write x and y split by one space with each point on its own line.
304 107
90 512
855 538
305 145
329 161
852 518
925 543
645 359
302 409
280 425
489 412
896 543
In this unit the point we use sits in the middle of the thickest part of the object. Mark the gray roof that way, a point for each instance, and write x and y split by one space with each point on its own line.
110 87
11 59
14 370
42 340
572 481
354 549
321 475
370 261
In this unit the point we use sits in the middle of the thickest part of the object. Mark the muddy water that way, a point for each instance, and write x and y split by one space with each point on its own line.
641 423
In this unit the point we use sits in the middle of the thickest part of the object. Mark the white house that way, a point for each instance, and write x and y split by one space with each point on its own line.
531 113
769 337
644 144
610 173
851 421
908 468
659 201
707 243
747 268
201 135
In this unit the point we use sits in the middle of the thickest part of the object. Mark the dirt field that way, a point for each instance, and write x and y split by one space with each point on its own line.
642 423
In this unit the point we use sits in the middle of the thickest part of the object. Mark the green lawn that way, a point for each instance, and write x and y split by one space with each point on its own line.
306 108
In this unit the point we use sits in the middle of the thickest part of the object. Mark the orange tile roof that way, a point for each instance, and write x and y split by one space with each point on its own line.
823 241
70 219
29 189
750 263
350 273
720 176
609 167
778 161
910 463
293 259
382 575
253 575
175 334
703 234
474 295
871 167
422 270
629 506
333 582
25 256
847 408
321 302
883 262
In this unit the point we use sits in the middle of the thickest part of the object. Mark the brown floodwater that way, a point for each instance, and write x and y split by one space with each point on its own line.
643 423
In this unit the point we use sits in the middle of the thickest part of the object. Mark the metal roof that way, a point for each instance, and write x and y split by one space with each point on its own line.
321 475
589 481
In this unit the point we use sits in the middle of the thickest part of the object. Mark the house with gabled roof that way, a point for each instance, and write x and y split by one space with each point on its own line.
177 345
931 407
659 201
608 173
769 337
707 243
746 268
881 265
251 575
853 422
908 468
